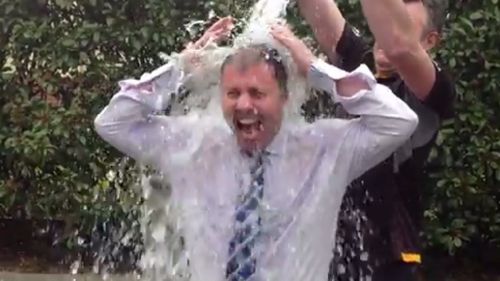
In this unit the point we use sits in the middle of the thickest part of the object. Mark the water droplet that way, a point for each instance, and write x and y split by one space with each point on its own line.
74 267
111 175
80 241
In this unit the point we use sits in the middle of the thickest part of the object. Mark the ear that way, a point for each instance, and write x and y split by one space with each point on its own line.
431 40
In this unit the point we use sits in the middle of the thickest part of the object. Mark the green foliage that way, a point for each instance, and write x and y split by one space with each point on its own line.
61 60
464 198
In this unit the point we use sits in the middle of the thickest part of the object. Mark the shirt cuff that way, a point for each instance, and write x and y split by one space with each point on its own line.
154 89
323 76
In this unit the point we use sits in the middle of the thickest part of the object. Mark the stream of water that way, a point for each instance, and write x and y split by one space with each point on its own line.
164 256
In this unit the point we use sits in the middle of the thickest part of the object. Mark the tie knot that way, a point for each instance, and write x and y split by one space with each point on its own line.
258 160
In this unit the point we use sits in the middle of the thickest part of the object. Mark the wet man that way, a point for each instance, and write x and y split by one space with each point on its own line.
380 218
258 196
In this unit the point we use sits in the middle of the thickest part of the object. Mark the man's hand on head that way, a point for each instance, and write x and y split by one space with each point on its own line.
217 32
301 54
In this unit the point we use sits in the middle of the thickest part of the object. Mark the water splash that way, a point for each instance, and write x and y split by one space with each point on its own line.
204 72
264 14
164 257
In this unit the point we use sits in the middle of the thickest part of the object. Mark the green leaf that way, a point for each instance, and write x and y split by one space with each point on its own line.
96 37
136 44
476 15
68 42
110 21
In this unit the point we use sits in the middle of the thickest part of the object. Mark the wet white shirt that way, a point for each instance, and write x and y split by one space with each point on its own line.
306 173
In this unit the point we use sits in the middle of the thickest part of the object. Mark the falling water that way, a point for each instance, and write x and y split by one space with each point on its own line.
203 84
164 257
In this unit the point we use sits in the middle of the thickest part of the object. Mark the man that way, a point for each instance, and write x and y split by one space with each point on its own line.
250 189
380 217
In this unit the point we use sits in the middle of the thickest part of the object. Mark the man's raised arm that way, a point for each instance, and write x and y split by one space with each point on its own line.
129 122
396 35
326 21
340 41
385 121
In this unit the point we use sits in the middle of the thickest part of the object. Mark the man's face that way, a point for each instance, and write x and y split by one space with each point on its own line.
419 18
252 103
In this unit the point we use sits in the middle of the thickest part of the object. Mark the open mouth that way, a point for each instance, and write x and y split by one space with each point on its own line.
249 127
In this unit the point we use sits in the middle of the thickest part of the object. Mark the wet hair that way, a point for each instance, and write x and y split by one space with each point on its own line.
251 55
436 11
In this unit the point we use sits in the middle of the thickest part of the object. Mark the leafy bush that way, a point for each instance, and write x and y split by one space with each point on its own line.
61 60
464 198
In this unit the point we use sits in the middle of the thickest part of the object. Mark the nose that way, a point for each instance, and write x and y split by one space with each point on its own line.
244 102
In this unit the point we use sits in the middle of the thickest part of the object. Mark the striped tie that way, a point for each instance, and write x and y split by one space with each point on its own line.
242 261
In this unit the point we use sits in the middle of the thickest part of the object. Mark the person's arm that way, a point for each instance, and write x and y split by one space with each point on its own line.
129 122
395 34
385 121
340 41
384 124
326 21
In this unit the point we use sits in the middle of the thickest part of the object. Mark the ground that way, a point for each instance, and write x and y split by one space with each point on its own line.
23 263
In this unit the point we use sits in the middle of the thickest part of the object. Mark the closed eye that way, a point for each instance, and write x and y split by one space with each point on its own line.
255 93
233 94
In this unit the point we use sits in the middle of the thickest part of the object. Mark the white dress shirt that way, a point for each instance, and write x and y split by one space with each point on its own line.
306 173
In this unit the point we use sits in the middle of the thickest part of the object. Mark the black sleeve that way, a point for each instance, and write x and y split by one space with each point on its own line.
350 52
442 95
352 49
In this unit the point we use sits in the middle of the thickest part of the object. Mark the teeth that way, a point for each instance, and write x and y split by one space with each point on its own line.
247 121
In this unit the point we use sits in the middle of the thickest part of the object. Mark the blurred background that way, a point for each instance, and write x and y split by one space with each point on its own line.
71 203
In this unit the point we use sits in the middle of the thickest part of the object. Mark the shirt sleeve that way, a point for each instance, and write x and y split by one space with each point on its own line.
384 123
442 95
352 49
130 122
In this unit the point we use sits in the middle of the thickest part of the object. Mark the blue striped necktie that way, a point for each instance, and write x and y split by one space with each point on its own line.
242 261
